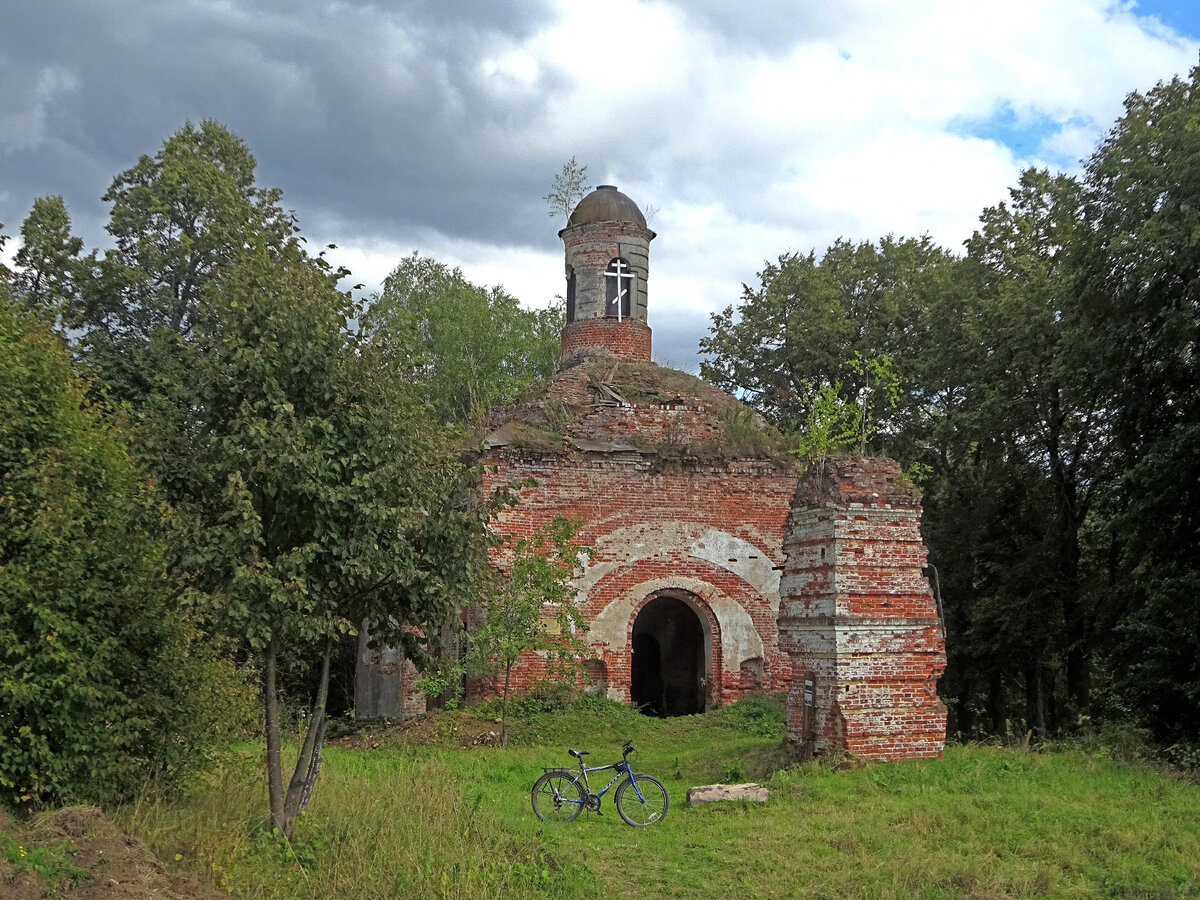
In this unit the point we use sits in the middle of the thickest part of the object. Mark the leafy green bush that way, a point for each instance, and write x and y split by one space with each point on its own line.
1184 754
550 695
1116 739
103 684
763 715
732 771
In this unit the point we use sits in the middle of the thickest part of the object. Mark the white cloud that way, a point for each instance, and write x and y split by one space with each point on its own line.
855 131
756 129
533 276
1072 142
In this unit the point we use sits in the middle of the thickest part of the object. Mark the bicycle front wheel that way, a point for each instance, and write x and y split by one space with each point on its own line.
650 808
557 797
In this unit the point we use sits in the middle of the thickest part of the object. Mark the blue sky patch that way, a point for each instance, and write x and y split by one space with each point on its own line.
1023 134
1181 15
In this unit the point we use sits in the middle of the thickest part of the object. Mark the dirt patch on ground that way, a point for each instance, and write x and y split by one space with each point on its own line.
464 729
79 854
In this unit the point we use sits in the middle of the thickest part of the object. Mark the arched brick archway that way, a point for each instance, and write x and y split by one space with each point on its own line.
675 653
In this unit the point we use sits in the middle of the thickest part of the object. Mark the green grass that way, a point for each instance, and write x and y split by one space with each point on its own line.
426 819
53 863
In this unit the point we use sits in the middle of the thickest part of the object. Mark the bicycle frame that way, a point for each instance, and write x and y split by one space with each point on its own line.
560 786
622 769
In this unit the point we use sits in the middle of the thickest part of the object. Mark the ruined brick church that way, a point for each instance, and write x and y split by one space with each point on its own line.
716 570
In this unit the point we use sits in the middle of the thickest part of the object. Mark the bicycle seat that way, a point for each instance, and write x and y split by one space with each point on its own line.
578 754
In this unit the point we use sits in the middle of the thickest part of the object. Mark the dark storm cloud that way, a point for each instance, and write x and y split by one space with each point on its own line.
757 127
367 113
376 119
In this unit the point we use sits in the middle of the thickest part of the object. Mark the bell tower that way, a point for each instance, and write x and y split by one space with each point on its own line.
607 247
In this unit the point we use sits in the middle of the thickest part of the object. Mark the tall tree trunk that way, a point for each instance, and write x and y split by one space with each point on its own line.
446 660
964 716
504 705
1050 704
995 702
308 764
1078 633
1078 625
274 763
1035 707
1041 699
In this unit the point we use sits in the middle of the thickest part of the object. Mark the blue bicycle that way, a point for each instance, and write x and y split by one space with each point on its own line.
560 795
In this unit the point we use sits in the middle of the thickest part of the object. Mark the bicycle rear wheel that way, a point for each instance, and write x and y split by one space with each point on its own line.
651 808
557 797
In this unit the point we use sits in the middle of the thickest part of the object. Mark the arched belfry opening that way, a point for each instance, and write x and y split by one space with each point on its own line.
671 658
619 281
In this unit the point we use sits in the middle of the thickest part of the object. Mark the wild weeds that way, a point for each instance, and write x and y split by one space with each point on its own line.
413 821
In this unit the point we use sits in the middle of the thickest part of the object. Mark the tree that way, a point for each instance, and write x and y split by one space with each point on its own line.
794 333
5 272
178 219
478 347
835 424
1040 391
50 270
971 343
1140 259
532 610
104 682
569 187
311 490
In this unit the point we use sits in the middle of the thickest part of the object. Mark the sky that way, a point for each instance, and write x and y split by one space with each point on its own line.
748 128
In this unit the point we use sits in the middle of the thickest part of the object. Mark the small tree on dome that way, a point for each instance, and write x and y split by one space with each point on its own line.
570 186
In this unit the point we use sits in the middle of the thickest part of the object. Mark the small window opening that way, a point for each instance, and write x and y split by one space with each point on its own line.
618 289
571 296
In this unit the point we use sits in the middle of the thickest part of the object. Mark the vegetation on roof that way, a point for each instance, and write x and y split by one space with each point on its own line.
550 414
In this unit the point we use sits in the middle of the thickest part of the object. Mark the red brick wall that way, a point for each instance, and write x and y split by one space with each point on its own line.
711 535
858 619
412 699
625 339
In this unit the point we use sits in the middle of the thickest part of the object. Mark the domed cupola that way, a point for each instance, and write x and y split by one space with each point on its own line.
608 266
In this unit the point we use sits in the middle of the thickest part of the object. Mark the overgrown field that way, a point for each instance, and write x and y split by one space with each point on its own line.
423 812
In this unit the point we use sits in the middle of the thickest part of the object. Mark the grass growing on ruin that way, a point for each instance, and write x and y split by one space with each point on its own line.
420 812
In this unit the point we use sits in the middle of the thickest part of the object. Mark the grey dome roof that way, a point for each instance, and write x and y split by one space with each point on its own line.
606 204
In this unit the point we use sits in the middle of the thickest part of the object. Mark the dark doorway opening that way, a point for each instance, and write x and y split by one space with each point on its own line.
667 677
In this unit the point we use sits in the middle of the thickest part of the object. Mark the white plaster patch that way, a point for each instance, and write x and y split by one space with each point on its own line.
634 543
611 626
740 640
741 558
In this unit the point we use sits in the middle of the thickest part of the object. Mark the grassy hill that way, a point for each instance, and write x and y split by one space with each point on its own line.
434 809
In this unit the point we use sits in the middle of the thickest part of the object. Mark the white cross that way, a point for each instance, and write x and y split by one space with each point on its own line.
619 270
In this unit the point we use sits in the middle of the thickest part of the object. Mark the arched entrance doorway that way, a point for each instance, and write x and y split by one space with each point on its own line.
670 659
